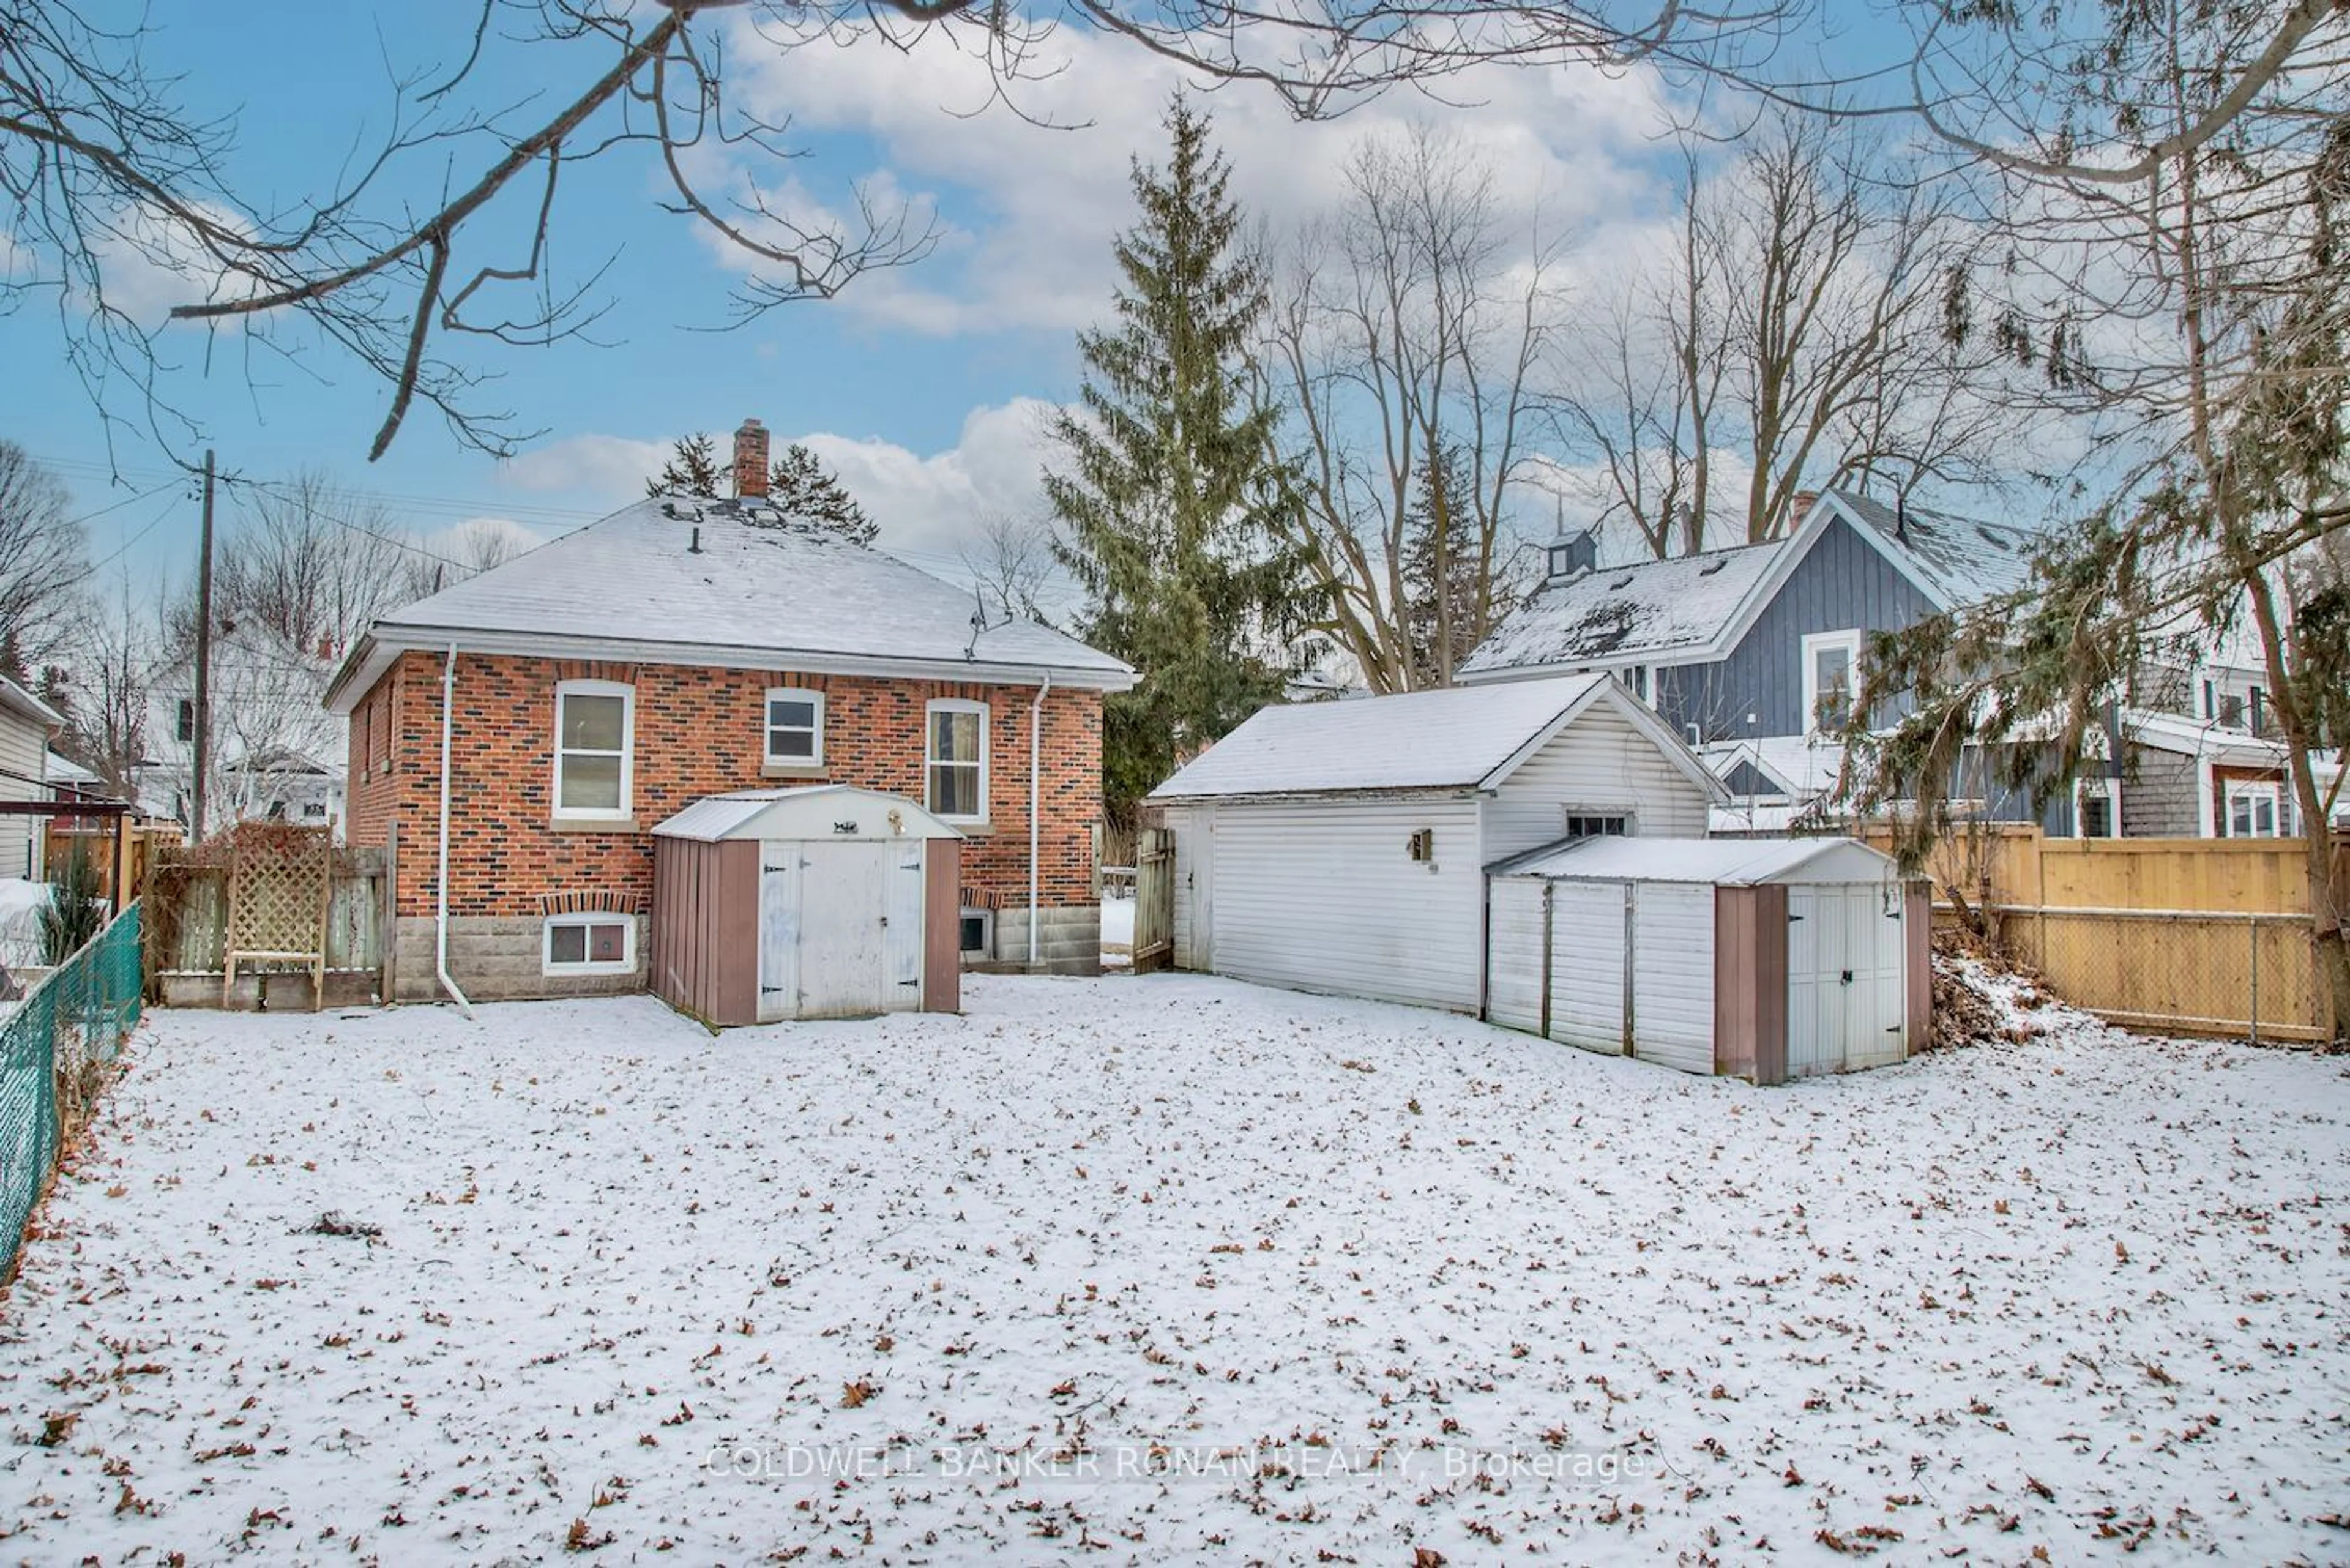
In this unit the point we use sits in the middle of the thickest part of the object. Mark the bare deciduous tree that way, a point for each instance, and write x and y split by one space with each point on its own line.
310 563
1011 561
42 556
105 167
1410 326
1797 338
2174 185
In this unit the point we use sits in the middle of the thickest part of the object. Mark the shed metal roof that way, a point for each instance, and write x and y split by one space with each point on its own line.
1725 862
809 811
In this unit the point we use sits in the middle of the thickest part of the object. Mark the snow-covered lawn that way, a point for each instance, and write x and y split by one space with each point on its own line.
1189 1270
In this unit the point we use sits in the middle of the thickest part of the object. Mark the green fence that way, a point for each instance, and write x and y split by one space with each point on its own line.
55 1050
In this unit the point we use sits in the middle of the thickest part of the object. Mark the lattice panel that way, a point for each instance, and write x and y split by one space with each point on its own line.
277 904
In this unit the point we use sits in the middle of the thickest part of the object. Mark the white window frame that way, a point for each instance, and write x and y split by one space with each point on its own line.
628 924
1849 641
2113 794
628 696
2249 790
768 727
956 705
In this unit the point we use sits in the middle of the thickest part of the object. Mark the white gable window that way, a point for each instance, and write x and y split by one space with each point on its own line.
595 723
2254 810
1831 675
794 728
956 757
589 944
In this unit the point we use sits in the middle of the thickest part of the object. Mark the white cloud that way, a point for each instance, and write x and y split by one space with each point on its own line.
483 538
608 465
929 506
1028 212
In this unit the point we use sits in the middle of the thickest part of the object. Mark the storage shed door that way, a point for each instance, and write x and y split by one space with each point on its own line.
825 912
1672 975
1846 981
1586 965
1515 933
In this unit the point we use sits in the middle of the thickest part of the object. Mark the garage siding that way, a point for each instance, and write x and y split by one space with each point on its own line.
1672 975
1598 763
1324 896
1587 981
1514 996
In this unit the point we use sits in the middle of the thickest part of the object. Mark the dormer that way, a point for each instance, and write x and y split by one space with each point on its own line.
1570 556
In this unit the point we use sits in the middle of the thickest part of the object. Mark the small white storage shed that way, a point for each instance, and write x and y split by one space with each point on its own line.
825 901
1341 847
1763 959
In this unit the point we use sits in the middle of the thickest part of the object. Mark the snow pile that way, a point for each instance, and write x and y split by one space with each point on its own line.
1117 929
21 903
1185 1270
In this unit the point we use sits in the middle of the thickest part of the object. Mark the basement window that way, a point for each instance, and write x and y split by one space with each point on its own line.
590 944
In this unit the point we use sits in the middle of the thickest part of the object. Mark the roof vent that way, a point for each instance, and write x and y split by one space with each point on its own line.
1994 540
1620 583
1713 565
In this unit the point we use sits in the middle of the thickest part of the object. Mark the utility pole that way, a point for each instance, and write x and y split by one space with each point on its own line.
204 725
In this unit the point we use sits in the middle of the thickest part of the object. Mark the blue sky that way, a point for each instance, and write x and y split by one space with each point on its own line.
924 386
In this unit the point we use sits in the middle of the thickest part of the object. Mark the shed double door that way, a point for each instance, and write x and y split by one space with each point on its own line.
840 928
1845 979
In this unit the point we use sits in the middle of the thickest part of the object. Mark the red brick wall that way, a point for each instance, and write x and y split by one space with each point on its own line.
698 733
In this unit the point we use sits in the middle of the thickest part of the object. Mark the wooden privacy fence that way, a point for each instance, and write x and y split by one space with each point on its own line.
1154 899
187 925
2207 936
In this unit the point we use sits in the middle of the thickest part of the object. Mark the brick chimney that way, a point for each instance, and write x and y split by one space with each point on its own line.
751 462
1804 501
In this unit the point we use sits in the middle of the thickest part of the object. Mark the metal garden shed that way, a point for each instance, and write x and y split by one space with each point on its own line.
821 902
1760 959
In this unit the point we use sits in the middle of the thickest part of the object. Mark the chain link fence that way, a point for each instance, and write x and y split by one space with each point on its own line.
57 1047
2196 971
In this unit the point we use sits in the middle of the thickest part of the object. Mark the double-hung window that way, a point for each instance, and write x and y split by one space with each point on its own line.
595 723
794 728
955 759
1831 676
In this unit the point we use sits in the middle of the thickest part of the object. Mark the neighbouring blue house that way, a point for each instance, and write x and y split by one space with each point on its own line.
1745 651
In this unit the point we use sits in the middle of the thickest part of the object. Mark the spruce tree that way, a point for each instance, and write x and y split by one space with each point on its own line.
1442 574
1168 500
802 488
692 470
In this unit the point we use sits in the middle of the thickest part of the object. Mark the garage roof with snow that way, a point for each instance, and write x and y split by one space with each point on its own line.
1459 738
1725 862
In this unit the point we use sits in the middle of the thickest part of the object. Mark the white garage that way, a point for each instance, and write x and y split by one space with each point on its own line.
1760 959
1341 847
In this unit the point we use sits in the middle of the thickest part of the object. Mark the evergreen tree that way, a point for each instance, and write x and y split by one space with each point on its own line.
1169 497
803 488
692 470
1441 547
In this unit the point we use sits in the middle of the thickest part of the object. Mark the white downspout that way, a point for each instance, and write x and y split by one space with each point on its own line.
441 883
1035 802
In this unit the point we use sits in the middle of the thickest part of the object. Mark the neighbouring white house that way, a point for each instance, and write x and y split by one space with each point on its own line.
1342 847
277 754
27 724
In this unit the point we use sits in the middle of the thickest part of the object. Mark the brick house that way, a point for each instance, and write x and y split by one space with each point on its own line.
680 649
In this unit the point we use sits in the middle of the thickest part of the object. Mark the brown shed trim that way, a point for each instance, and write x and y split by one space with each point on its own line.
943 914
735 985
1749 983
1918 943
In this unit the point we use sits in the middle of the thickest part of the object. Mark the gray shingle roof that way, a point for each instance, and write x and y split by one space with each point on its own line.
1650 609
1959 560
763 590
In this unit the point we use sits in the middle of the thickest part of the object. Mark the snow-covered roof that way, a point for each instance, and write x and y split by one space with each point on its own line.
1727 862
1627 613
1463 737
808 811
754 595
59 769
1806 765
1955 561
1694 609
15 700
2200 738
